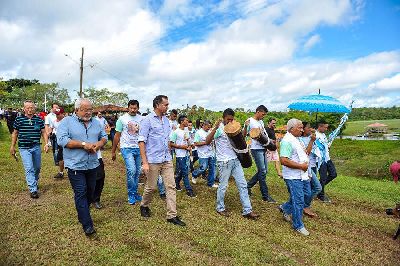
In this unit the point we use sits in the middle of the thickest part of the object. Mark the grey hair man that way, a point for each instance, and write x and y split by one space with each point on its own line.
81 137
295 165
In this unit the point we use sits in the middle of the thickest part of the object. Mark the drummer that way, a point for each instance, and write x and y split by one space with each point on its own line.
258 152
229 165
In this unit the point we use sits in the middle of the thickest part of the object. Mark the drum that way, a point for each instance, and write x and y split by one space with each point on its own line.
234 132
260 136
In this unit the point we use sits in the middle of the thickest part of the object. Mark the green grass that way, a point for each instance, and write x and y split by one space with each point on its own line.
355 128
369 158
354 230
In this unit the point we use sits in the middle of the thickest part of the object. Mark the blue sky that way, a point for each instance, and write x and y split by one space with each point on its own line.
215 54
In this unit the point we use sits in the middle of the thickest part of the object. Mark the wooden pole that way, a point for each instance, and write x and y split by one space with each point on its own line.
80 87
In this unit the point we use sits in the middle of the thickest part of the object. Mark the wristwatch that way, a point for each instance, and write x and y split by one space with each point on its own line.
83 144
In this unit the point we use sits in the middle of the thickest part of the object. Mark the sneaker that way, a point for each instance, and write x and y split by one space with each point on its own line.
34 195
303 231
131 201
145 211
286 216
191 194
59 175
194 180
309 212
163 196
178 188
97 205
214 186
269 199
251 216
89 231
324 198
223 213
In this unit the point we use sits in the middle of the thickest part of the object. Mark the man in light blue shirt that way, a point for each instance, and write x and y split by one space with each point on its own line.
157 160
81 137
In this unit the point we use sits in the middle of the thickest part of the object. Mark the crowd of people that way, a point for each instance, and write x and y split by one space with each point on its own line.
148 144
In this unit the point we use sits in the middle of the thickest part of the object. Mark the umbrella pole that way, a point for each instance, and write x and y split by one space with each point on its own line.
316 119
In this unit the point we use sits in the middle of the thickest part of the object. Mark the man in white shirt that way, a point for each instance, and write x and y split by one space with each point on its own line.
102 120
51 117
127 132
57 150
327 170
258 152
179 140
229 165
206 155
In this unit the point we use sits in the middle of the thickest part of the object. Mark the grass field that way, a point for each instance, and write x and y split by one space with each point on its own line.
355 128
353 230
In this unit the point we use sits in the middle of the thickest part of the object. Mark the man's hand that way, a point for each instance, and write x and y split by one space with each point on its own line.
12 151
313 137
90 147
216 124
46 148
304 166
146 168
247 122
113 156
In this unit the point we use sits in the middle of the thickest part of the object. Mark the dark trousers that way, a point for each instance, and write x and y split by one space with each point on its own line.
99 181
83 183
195 155
327 172
10 127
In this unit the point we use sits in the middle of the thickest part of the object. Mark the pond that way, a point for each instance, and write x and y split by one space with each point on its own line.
395 136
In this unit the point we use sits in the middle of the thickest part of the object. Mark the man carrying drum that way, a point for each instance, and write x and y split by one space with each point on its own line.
258 144
229 165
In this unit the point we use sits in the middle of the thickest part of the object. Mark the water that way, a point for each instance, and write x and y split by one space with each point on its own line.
380 137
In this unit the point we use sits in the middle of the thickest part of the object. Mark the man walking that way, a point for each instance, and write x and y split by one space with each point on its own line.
157 160
127 134
57 149
81 136
295 165
229 165
28 128
258 152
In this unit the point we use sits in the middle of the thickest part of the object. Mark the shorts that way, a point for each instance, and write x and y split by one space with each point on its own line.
272 156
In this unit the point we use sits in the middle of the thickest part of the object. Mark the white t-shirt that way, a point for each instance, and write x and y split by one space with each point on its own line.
102 121
50 117
255 144
173 124
180 137
129 126
223 147
204 151
54 125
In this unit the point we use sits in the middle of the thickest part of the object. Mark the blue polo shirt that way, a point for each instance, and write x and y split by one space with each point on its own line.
71 128
29 131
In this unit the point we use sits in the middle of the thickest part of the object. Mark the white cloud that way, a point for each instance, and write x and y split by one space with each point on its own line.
392 83
313 40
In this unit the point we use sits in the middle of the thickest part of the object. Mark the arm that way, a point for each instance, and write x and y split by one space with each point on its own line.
14 138
176 146
116 140
210 136
45 139
291 164
143 156
245 128
65 141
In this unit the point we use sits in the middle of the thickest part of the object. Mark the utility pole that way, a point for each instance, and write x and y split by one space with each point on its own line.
80 88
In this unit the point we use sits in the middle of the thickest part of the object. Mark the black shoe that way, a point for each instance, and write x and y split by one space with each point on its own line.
249 191
178 188
98 205
89 231
145 211
324 198
163 196
191 194
177 221
269 199
34 195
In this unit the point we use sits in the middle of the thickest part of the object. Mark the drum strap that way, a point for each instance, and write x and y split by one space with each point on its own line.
241 151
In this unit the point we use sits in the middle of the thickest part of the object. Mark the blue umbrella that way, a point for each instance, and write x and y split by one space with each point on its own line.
319 103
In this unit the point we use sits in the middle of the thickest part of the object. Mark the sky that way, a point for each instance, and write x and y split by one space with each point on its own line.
214 54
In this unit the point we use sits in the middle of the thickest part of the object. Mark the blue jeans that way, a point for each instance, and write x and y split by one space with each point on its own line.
31 159
160 185
133 166
226 170
260 158
182 165
83 183
298 191
315 187
204 164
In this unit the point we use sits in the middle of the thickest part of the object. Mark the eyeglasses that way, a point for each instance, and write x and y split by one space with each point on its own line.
90 110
